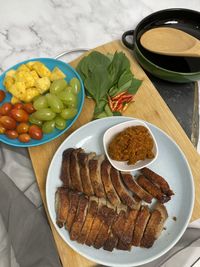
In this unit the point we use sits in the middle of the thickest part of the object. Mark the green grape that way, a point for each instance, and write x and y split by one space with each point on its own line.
60 123
73 104
45 114
40 103
33 120
68 97
57 86
68 113
54 103
48 126
75 85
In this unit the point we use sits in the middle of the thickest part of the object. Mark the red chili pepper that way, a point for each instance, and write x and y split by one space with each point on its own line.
119 95
119 107
110 103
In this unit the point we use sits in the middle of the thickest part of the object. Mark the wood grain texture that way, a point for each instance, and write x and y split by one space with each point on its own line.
149 106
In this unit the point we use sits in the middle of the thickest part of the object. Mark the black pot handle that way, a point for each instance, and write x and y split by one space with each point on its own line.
125 42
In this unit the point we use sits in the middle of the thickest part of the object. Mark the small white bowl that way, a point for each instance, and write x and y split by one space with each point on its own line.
122 165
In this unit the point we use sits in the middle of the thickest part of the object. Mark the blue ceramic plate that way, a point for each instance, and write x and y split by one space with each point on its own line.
70 73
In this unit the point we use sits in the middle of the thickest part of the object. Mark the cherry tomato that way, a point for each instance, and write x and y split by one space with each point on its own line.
24 138
12 134
5 108
22 127
19 115
2 95
8 123
18 106
2 129
28 107
35 132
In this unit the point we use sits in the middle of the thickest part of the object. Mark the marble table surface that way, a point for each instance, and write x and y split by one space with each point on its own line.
46 28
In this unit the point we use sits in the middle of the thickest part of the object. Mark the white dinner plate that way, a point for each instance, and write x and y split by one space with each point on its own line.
170 163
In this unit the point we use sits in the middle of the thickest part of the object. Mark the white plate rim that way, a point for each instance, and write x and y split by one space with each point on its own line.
150 258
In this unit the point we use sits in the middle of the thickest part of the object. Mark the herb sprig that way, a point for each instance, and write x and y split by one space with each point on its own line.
109 81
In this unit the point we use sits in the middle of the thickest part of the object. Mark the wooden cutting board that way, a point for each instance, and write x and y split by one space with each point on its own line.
149 106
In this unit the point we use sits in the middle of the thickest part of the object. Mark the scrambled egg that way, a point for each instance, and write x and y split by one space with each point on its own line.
30 80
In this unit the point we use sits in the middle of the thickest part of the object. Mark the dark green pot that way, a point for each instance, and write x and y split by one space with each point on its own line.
173 69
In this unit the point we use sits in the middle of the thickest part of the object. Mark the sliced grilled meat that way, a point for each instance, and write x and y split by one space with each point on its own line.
95 176
123 246
74 199
140 225
135 188
79 218
111 242
83 160
96 225
154 226
108 186
62 205
65 171
164 215
122 192
108 218
157 180
152 189
118 224
91 214
127 235
76 183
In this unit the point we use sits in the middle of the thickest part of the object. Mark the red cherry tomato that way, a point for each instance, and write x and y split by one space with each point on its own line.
18 106
22 127
19 115
12 134
5 108
35 132
8 123
28 107
2 95
24 138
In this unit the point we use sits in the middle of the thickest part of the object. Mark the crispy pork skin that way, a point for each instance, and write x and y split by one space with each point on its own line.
76 183
91 214
132 185
96 225
152 189
74 200
140 225
83 160
62 205
65 171
108 216
79 218
121 190
157 180
95 176
154 226
108 186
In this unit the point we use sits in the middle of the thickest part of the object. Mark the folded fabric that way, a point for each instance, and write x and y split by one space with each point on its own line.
28 232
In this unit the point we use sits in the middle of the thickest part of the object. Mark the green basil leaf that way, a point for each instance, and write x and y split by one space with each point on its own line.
100 107
119 64
134 86
96 59
108 110
98 83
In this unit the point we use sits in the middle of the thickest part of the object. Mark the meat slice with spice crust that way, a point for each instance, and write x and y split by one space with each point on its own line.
62 204
152 189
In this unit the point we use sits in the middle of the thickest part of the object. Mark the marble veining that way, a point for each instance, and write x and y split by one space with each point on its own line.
46 28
